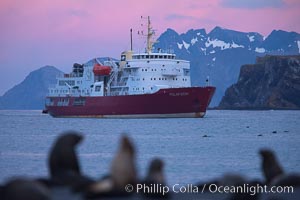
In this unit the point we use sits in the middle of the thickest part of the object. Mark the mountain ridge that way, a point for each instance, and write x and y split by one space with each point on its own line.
219 53
31 92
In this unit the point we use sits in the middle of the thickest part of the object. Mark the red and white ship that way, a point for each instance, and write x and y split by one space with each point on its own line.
140 85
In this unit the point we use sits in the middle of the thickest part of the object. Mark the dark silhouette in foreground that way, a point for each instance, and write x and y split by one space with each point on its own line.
67 182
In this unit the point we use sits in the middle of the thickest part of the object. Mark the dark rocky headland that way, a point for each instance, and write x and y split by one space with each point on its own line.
273 82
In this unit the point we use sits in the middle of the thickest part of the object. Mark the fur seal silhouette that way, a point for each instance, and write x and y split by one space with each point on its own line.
155 176
122 172
64 165
21 188
123 168
270 166
63 158
155 172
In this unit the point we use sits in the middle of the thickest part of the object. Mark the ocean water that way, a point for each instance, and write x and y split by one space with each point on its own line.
232 144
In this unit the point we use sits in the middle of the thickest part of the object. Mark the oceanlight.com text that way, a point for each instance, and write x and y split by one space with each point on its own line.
211 188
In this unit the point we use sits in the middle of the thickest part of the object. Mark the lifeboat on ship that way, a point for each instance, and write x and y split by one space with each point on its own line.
101 70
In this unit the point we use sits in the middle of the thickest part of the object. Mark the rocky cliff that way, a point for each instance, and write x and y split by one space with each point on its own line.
272 83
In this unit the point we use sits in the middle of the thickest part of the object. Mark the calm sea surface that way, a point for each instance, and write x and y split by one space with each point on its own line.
231 146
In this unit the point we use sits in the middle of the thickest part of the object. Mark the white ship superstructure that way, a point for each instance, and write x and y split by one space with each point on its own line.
135 73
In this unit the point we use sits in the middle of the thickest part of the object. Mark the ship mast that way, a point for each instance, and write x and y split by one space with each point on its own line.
150 33
131 39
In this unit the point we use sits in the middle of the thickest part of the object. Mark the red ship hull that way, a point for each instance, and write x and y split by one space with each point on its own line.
172 102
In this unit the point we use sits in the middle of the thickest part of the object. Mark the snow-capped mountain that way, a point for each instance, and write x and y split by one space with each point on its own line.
220 53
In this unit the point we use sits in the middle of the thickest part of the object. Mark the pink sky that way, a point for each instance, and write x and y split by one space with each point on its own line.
35 33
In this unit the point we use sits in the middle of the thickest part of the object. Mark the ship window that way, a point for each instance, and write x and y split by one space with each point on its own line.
123 57
79 102
145 69
143 79
154 78
142 70
186 72
165 57
98 88
160 56
151 79
70 82
151 57
156 56
147 56
151 88
158 78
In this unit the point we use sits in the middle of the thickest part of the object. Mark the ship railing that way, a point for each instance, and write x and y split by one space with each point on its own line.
118 86
121 83
70 75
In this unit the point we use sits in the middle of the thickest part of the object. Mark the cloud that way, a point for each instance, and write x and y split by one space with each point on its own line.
253 4
179 17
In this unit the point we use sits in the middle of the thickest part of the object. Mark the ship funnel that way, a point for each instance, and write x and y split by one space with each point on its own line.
126 55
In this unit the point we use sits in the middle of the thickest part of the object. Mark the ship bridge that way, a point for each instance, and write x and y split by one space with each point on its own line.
153 56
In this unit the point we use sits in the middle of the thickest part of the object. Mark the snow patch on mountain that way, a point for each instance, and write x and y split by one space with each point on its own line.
179 45
298 42
194 40
236 45
223 45
260 50
186 45
217 43
251 38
